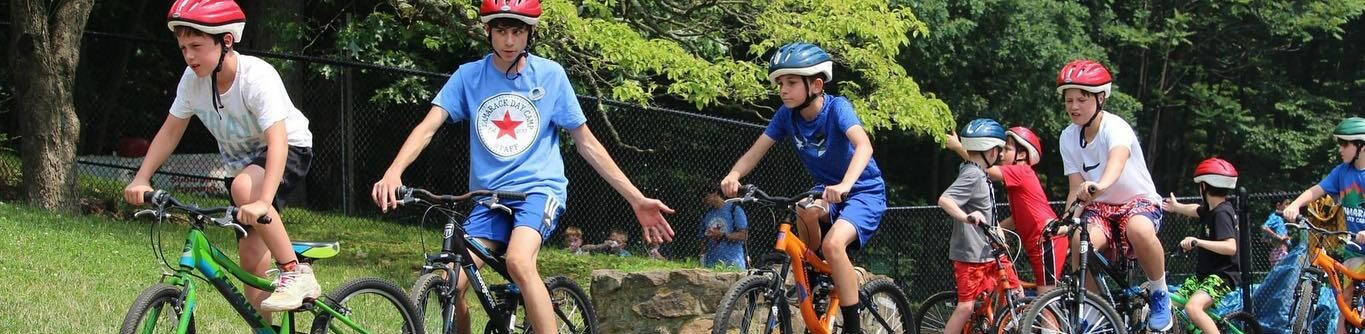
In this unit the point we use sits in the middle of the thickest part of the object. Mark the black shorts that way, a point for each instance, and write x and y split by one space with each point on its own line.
296 167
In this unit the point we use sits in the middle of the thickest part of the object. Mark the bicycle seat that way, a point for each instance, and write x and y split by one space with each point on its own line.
316 249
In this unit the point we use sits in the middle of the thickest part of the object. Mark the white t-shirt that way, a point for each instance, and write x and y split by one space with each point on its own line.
1134 182
255 101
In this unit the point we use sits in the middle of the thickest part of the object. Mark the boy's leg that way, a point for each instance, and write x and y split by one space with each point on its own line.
255 258
1195 310
835 245
1143 220
521 264
972 280
295 281
808 223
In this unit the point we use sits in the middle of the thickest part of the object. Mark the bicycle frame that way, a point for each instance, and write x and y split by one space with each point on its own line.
200 255
455 240
1335 271
801 256
1117 295
1000 293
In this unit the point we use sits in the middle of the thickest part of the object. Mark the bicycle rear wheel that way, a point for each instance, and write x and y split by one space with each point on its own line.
749 307
156 310
370 304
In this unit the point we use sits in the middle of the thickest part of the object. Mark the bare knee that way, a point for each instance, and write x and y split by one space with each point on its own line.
522 266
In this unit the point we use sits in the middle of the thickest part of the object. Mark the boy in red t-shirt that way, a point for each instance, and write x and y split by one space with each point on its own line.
1029 209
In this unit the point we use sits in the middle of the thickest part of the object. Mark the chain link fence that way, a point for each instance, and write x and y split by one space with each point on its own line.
670 155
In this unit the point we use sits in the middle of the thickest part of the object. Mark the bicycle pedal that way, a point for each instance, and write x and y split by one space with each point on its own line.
307 305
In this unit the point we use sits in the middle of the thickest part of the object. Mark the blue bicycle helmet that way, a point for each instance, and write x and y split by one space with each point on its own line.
799 58
982 134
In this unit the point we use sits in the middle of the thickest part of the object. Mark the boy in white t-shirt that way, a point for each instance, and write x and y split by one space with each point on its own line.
1104 165
264 141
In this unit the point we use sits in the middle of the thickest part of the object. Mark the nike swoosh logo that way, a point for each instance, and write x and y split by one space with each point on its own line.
1091 167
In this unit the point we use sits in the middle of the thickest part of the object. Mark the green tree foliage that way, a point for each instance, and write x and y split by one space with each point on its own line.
705 55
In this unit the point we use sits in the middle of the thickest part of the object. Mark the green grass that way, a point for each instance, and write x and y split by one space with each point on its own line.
67 274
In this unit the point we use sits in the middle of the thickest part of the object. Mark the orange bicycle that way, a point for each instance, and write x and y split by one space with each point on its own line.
996 310
1321 268
762 303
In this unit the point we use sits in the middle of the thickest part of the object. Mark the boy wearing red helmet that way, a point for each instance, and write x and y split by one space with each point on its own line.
1215 249
1105 166
515 103
263 139
1029 206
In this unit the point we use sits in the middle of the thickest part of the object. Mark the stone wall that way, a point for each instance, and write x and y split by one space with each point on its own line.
681 301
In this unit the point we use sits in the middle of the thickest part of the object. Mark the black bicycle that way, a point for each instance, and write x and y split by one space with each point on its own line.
434 291
1071 308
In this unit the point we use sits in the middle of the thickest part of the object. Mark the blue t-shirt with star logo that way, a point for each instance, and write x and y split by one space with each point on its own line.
513 123
822 144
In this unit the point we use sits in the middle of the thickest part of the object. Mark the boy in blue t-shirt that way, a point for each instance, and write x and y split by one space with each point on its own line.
1345 184
515 104
725 228
831 143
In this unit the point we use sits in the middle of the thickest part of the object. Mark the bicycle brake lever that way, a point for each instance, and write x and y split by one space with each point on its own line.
148 213
497 206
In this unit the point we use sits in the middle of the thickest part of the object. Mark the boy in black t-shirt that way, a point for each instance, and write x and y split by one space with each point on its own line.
1216 247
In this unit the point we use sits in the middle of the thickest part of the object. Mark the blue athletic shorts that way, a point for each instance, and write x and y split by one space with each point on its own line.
539 212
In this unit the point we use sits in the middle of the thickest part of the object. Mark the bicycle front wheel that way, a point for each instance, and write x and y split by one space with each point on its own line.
368 305
156 310
749 307
431 296
1055 312
573 310
886 310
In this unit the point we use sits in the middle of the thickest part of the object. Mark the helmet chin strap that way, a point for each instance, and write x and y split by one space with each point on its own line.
213 80
810 97
1099 108
527 50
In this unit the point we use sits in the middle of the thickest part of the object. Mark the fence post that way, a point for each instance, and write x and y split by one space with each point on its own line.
1244 247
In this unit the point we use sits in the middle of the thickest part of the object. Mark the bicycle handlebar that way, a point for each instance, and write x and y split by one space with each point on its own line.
409 195
164 201
1055 226
753 194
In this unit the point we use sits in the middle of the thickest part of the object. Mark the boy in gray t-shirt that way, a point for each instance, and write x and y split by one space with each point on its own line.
969 201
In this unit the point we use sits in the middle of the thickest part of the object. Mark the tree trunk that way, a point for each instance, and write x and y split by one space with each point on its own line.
44 50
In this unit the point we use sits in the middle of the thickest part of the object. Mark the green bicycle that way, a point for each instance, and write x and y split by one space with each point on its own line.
364 305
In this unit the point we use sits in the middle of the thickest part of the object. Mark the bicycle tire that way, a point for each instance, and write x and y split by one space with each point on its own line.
1239 322
1048 314
432 288
751 290
156 297
356 294
882 297
573 310
932 315
1307 292
1004 320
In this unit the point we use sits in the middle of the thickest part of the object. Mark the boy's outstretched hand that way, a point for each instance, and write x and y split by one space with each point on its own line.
652 223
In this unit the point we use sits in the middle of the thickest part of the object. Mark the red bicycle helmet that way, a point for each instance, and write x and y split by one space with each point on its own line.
1026 138
527 11
1216 172
1086 75
210 16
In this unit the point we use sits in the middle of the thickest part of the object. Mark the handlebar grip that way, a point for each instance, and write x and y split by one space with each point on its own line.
402 191
972 219
1091 189
263 220
151 196
510 195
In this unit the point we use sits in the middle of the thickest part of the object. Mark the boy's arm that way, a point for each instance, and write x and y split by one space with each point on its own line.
383 191
1222 247
952 143
952 209
276 152
648 211
730 184
1074 182
862 153
161 148
1184 209
1291 211
1113 167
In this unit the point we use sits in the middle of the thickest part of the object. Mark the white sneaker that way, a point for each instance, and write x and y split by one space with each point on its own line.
291 288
